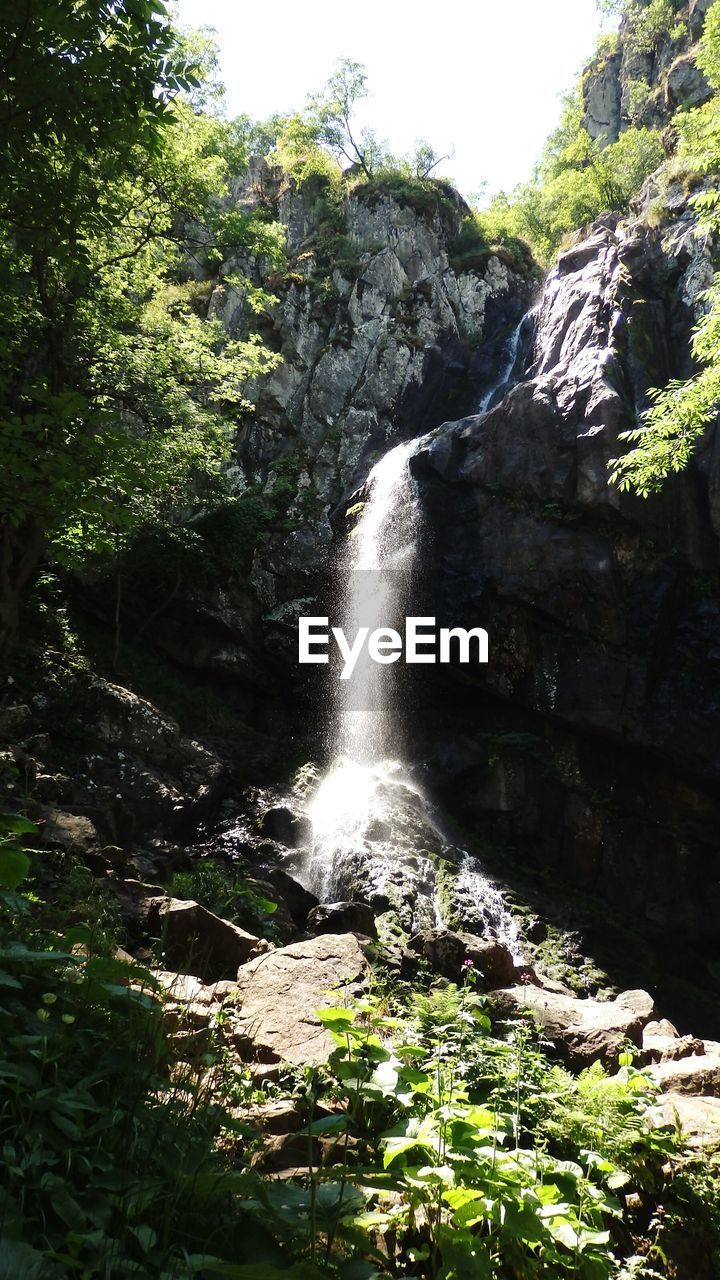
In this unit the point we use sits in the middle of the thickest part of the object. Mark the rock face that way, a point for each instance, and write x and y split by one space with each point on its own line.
591 741
379 339
278 996
647 74
343 917
583 1031
450 954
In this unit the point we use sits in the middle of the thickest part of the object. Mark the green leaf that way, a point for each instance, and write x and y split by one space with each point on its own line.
13 824
14 867
67 1207
253 1270
327 1125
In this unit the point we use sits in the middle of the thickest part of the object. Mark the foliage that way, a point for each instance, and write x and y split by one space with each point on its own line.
433 1170
450 1149
119 399
577 179
679 413
109 1152
488 233
227 893
649 23
330 115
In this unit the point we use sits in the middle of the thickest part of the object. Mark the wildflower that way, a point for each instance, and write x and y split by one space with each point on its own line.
43 1014
68 1019
468 964
49 998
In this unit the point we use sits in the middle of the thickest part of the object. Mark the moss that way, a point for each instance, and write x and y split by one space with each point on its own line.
428 197
473 247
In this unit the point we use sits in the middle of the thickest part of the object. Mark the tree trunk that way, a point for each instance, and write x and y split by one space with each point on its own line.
20 553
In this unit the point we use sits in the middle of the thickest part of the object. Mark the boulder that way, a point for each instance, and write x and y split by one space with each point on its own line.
698 1119
449 954
686 84
279 995
69 831
661 1043
698 1075
288 828
198 942
342 917
298 900
583 1031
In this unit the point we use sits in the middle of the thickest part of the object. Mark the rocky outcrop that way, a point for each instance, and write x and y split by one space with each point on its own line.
278 996
381 330
453 954
644 76
590 741
583 1031
343 917
196 941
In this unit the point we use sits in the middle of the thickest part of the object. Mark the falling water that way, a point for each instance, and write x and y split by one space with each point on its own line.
367 803
513 363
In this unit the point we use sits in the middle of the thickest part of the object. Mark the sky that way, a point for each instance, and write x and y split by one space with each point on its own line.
481 76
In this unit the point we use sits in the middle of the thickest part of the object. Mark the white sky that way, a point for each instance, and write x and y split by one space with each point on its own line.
483 76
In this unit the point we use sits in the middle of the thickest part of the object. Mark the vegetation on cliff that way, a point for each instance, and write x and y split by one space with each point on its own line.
119 400
667 436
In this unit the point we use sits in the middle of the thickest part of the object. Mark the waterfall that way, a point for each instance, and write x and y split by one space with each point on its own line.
513 363
372 825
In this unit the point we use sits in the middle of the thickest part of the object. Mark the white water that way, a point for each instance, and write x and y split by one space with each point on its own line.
508 374
362 794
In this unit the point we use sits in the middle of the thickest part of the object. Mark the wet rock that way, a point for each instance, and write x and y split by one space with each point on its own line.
279 993
298 900
568 728
450 953
583 1031
342 917
196 941
281 824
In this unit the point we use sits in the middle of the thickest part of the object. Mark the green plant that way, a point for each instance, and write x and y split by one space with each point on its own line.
226 892
665 438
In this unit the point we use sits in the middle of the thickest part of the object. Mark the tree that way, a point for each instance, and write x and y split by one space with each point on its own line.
331 112
578 178
666 438
116 397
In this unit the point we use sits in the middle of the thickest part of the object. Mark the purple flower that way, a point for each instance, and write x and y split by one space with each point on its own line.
468 964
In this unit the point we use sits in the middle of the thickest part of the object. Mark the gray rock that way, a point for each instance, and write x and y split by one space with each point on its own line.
697 1119
583 1031
195 941
342 917
698 1075
698 10
298 900
450 954
279 994
686 84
